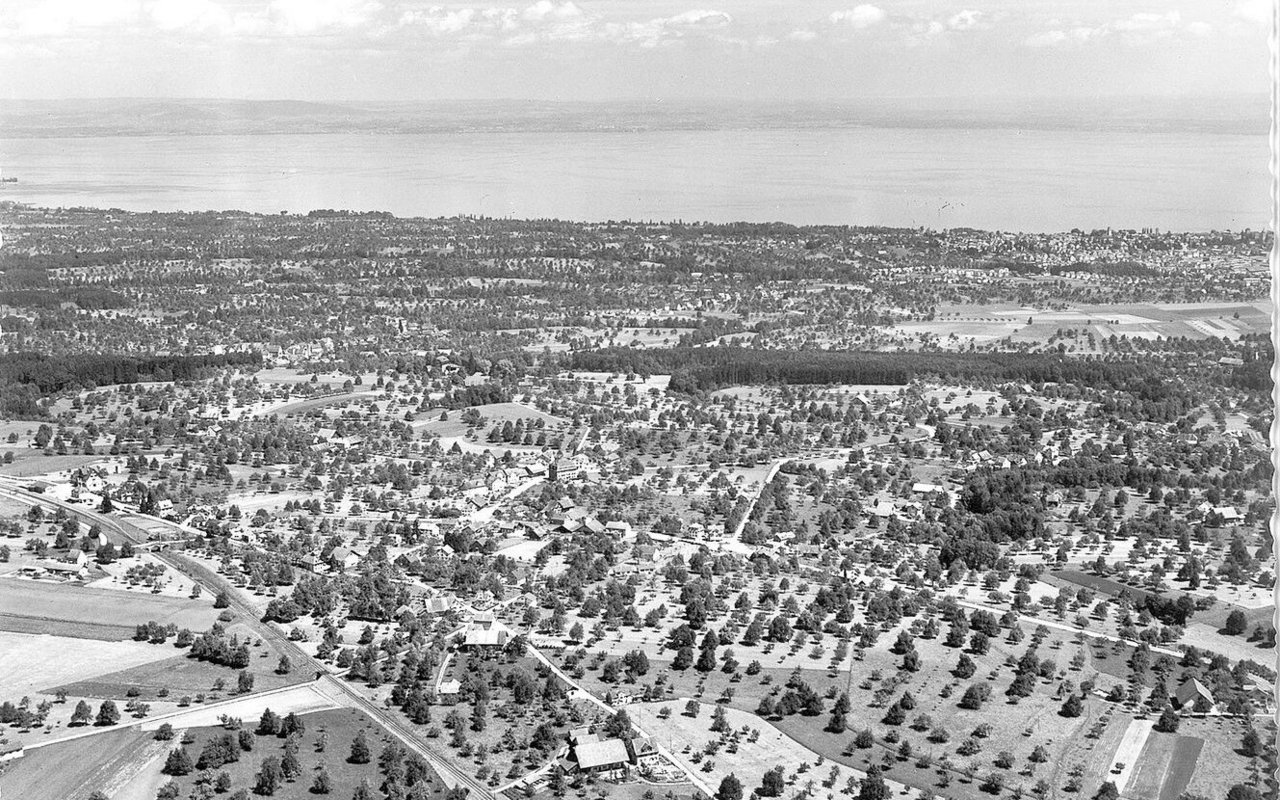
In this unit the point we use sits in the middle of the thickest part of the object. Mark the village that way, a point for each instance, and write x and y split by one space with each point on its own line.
648 551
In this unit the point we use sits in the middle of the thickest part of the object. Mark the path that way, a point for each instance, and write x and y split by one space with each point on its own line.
768 476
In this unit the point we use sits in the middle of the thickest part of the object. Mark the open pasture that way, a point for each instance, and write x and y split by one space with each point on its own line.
73 770
30 662
67 603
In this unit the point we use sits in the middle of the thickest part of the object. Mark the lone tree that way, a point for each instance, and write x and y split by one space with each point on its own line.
359 750
1107 791
178 762
975 696
1168 722
1236 623
873 786
1074 707
269 777
323 784
108 714
83 714
773 784
619 726
730 788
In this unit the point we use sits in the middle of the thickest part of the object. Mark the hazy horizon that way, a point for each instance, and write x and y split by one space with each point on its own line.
324 50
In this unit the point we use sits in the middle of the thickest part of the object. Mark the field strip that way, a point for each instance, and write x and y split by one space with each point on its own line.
297 699
1130 747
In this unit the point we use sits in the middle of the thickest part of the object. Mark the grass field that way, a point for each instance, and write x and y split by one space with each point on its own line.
304 699
338 728
73 770
180 675
28 462
71 629
96 607
29 662
1220 764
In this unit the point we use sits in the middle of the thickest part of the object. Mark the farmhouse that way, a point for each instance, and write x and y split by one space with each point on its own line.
600 756
1194 695
486 631
344 557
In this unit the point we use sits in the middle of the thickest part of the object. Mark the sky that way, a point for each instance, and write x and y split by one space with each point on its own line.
653 50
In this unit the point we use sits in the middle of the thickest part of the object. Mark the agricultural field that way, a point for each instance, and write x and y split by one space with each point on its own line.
102 613
31 662
73 770
324 746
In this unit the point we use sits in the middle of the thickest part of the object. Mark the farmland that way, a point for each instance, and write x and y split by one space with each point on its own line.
97 609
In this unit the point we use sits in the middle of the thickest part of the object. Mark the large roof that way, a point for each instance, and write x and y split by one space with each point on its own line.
600 754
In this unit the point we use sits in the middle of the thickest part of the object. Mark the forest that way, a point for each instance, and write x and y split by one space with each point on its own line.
21 373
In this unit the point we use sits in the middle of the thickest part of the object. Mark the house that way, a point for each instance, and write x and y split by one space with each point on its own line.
618 528
927 488
1229 514
485 631
78 557
1260 690
438 605
344 557
64 571
449 692
1194 695
601 756
883 509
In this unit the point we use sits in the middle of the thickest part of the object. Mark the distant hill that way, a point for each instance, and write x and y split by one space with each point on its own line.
143 117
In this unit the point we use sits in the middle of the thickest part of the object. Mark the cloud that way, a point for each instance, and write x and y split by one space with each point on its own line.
1256 11
1136 29
552 21
858 17
198 15
303 17
61 17
698 18
548 10
964 20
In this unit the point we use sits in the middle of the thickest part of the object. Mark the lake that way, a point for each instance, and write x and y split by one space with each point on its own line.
1033 180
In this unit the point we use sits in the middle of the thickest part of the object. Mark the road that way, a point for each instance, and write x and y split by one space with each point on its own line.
1061 626
736 536
215 583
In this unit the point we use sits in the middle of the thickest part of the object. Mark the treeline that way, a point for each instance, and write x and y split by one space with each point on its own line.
1120 269
696 370
48 373
87 297
483 394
